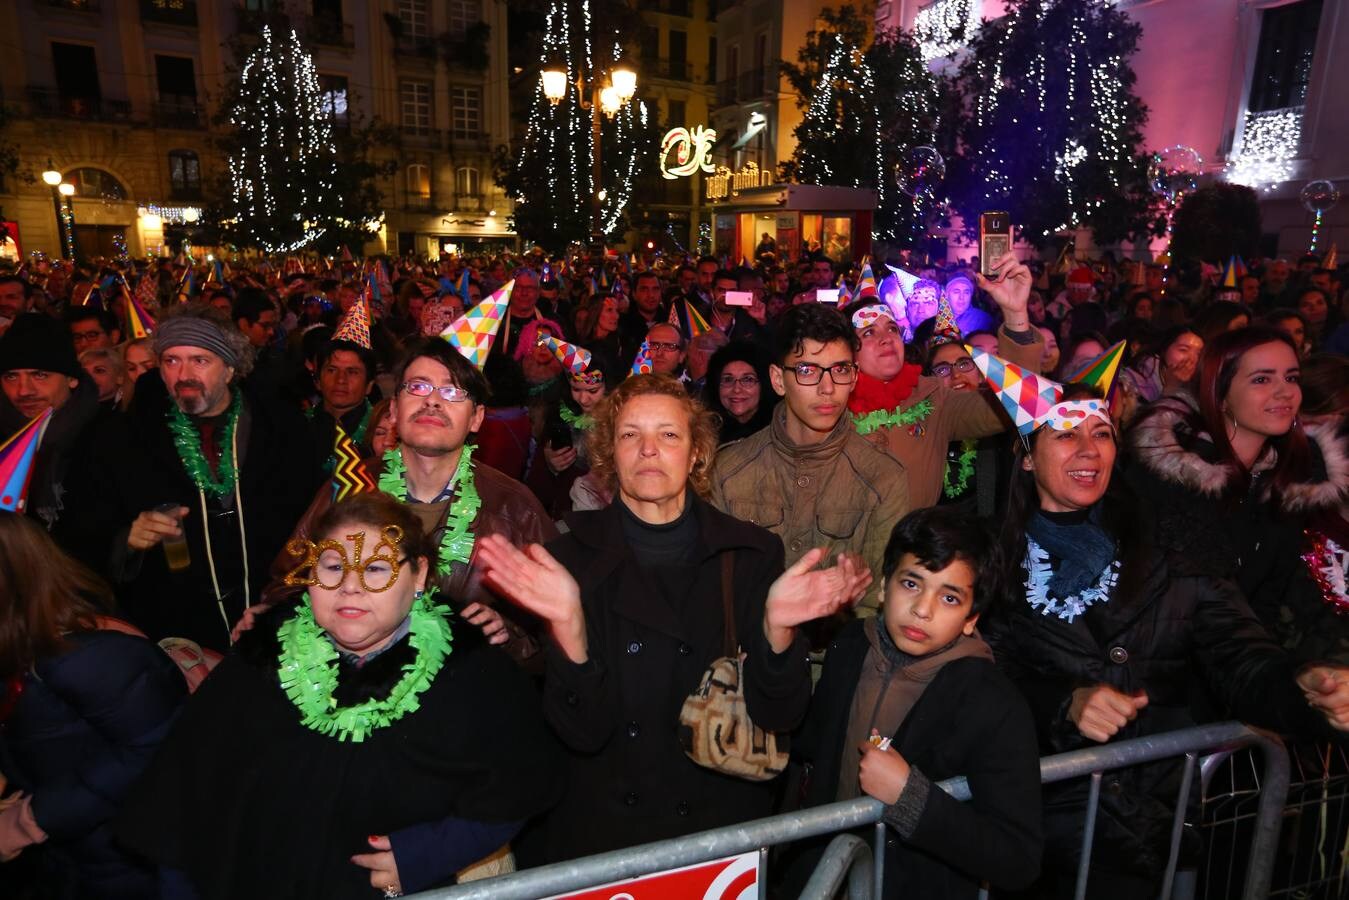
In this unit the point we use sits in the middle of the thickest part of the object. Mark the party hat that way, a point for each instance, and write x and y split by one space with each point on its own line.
575 359
350 475
1100 372
462 287
1027 397
16 461
697 324
944 329
1332 259
907 280
473 332
91 297
138 321
866 284
355 325
642 364
1230 275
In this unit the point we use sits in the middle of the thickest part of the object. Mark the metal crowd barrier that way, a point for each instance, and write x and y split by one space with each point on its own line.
850 858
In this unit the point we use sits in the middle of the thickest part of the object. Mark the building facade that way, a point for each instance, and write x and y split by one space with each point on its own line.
1249 84
119 96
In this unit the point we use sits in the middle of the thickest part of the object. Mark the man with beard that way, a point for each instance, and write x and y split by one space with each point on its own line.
200 458
440 398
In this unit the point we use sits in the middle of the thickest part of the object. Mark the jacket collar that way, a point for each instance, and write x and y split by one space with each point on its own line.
602 529
825 450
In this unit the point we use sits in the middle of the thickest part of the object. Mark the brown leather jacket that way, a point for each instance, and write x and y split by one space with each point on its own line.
508 509
842 493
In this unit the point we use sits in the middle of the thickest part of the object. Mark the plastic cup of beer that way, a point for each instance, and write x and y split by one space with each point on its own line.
175 548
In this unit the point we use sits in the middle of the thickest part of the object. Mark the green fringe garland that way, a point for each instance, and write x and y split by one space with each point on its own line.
187 440
581 422
965 468
308 672
896 417
456 542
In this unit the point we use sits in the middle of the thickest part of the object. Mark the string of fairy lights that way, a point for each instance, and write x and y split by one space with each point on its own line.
1269 144
287 148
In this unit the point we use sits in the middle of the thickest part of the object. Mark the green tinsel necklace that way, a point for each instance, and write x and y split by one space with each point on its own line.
880 418
456 542
187 440
579 421
964 469
308 672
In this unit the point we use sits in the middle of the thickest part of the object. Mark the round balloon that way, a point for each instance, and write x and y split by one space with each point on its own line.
1175 171
1320 195
920 172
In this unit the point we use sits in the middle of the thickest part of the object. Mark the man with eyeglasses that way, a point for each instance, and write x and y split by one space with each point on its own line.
439 402
808 476
92 328
666 345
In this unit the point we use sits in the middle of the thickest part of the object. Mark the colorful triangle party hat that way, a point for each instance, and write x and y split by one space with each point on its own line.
697 324
16 461
139 324
573 358
1332 260
866 284
1028 398
944 329
641 365
355 325
1100 372
472 333
350 476
1230 275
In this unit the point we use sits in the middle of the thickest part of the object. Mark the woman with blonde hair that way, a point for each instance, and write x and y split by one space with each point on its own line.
637 598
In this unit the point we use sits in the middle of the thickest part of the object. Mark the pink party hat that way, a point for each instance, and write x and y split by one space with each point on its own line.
473 332
16 461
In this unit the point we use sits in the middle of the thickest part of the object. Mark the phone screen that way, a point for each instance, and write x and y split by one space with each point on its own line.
995 240
739 298
826 295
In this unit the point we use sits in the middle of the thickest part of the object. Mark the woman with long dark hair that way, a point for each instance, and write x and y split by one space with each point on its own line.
1231 474
738 391
1167 364
1106 639
82 710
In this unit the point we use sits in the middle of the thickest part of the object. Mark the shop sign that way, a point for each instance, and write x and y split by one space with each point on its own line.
734 878
692 151
726 183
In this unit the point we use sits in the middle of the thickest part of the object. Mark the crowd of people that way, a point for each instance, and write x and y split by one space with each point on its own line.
339 577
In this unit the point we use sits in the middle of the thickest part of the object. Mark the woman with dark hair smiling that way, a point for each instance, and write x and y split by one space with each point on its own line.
1231 473
738 390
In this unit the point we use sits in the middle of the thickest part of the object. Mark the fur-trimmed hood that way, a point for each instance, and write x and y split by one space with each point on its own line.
1169 441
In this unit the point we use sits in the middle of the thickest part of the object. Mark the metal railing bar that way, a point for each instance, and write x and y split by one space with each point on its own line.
1178 825
1088 836
878 860
847 856
1269 817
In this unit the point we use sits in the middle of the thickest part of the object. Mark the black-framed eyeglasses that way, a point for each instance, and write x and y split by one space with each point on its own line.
944 370
745 381
808 374
449 393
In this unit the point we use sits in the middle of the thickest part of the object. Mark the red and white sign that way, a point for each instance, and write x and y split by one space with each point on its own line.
733 878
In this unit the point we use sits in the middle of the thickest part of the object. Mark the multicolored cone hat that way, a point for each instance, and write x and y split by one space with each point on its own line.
473 332
1032 400
355 325
139 324
641 365
573 358
866 284
907 280
1100 372
1230 275
944 329
16 462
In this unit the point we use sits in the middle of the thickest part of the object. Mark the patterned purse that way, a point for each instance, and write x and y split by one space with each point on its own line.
714 724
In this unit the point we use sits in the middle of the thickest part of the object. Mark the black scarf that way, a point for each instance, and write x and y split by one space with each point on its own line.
1080 546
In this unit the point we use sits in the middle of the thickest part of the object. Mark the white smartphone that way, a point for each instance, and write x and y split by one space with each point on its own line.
739 298
826 295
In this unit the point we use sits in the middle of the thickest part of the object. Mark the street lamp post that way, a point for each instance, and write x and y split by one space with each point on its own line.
604 98
67 190
52 178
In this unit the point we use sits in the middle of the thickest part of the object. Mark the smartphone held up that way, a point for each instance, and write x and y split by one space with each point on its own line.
995 241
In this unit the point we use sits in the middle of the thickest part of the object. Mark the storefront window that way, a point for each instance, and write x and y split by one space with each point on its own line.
838 238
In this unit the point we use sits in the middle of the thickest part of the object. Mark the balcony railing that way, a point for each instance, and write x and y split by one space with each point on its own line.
748 86
330 32
416 47
186 193
50 103
170 12
469 140
673 69
418 203
250 21
178 112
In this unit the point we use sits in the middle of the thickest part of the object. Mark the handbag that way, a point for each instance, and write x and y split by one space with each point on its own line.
714 724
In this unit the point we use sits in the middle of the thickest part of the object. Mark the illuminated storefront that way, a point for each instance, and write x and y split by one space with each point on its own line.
748 216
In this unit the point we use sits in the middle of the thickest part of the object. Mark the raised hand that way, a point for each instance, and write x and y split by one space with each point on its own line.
803 593
539 583
1010 290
